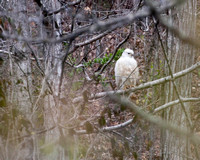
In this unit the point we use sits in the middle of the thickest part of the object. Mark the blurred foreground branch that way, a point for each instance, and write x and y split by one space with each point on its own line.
183 132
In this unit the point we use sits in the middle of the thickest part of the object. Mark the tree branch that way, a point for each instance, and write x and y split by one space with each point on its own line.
167 105
99 26
89 41
110 128
173 81
142 86
156 120
115 51
111 25
106 129
63 7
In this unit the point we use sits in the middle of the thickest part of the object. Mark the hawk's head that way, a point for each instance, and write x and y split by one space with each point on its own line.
128 53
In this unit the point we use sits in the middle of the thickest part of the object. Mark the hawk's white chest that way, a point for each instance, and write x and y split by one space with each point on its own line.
126 71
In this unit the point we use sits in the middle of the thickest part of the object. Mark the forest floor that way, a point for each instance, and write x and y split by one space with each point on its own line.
139 140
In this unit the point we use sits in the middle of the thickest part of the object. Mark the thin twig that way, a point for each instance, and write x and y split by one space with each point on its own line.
167 105
115 52
33 132
142 86
189 122
173 82
36 59
156 120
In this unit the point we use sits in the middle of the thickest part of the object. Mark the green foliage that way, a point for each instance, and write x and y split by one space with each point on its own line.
71 58
119 53
142 37
104 59
152 65
65 44
79 70
70 74
103 81
88 64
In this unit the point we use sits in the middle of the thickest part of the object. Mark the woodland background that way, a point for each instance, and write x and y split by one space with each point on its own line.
58 98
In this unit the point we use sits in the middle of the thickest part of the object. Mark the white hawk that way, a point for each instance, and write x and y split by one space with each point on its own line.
126 69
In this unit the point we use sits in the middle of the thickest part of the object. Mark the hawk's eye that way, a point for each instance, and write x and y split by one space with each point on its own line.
129 53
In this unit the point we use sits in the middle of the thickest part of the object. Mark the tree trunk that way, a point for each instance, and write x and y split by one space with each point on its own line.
20 96
52 105
180 56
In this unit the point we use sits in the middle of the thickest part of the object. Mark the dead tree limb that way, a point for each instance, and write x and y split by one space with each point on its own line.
142 86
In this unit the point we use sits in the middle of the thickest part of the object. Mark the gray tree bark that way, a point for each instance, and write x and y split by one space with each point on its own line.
52 105
180 56
20 96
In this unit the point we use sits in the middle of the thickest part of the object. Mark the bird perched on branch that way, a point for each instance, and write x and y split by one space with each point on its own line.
126 70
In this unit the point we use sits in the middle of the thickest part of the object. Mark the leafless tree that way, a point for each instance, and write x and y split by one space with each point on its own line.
57 91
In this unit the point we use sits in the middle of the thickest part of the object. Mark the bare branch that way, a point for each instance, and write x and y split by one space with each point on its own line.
89 41
110 128
119 126
111 25
107 129
6 52
156 120
101 26
33 132
92 39
156 12
63 7
115 52
173 81
36 59
174 103
142 86
192 41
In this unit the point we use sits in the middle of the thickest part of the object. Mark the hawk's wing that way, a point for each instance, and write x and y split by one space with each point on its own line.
123 68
